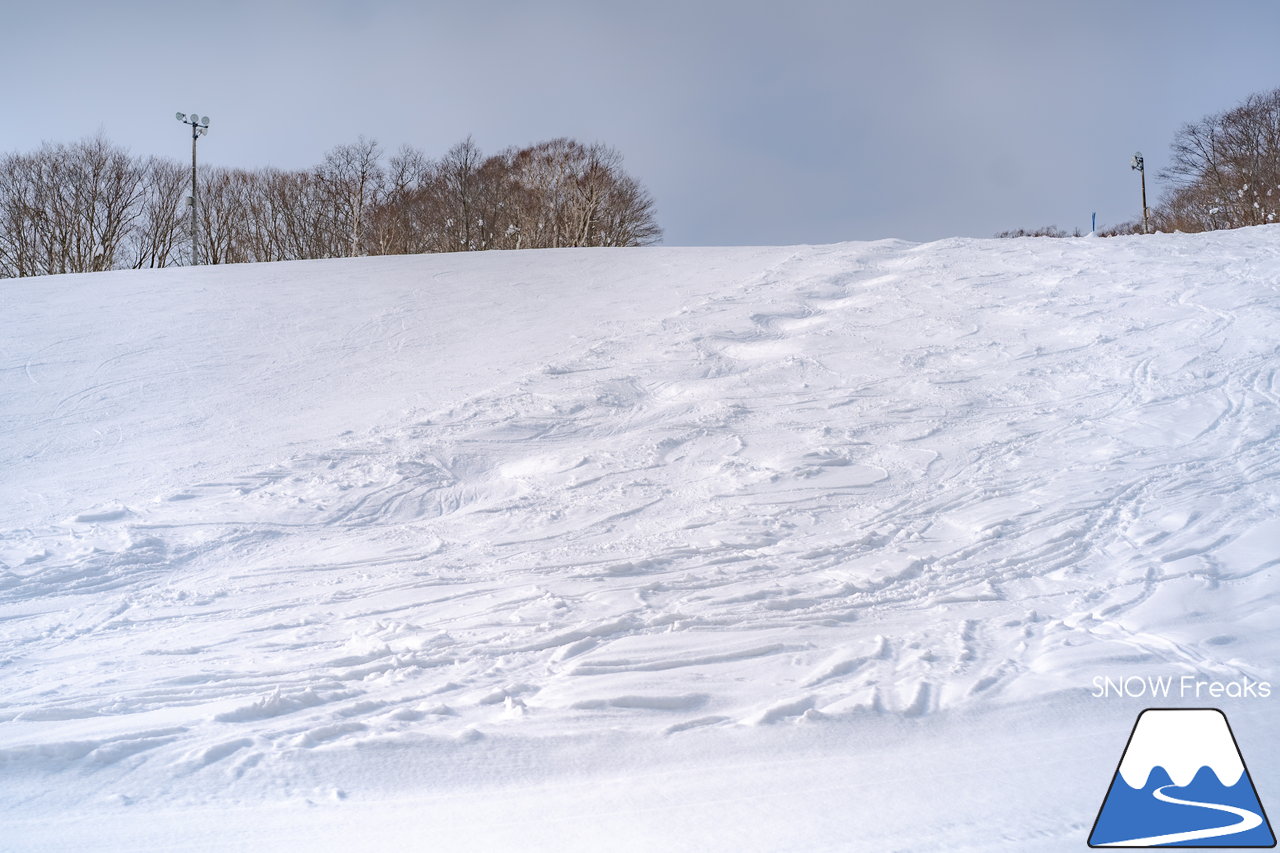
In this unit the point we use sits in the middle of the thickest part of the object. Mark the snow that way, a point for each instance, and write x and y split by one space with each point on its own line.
716 549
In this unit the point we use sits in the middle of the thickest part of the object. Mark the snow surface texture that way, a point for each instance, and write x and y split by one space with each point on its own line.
708 549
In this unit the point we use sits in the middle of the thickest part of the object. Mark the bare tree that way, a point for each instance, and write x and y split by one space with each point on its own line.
457 189
578 195
398 221
351 178
1042 231
226 207
19 213
155 240
91 206
1225 169
69 208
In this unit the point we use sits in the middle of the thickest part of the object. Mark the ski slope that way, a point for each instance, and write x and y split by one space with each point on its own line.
709 549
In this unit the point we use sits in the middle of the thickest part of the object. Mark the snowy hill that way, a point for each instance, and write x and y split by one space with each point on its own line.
768 548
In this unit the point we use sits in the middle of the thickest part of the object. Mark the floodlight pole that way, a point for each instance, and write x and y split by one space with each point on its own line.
1138 165
195 218
199 127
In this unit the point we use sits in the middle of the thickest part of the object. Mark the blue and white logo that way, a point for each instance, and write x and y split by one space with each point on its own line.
1182 782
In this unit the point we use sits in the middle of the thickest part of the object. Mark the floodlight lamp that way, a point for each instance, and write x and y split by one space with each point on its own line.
204 120
182 116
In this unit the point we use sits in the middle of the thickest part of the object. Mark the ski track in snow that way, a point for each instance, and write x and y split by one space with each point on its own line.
868 479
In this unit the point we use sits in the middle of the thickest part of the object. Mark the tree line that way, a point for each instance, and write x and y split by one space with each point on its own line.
90 206
1223 172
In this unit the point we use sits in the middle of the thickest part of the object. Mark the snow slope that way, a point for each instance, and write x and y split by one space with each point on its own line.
767 548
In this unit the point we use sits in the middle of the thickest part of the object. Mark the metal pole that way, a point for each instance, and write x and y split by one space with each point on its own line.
199 126
1139 166
194 221
1146 228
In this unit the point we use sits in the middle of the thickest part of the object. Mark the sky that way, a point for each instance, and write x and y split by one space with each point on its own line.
750 123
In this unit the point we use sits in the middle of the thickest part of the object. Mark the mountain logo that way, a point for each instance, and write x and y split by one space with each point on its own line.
1181 782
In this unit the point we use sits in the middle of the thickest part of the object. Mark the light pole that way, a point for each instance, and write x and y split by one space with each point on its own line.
1137 164
199 127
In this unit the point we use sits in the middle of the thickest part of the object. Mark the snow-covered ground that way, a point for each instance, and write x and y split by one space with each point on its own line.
807 548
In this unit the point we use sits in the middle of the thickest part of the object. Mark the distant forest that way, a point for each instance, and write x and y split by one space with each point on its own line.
1223 172
90 206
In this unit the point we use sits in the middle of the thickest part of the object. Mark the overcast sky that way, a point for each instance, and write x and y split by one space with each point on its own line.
751 123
